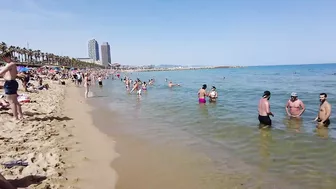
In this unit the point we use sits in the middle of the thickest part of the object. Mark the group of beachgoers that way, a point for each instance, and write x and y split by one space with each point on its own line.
136 85
294 106
294 109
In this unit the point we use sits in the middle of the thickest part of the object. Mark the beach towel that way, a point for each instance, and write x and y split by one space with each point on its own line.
23 98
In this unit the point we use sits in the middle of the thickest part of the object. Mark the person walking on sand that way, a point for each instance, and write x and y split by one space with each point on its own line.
295 106
264 110
9 73
86 84
324 111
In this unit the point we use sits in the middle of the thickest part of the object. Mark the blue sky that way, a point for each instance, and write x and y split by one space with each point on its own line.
187 32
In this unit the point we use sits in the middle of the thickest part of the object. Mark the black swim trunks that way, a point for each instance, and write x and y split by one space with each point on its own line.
266 120
11 87
326 123
100 83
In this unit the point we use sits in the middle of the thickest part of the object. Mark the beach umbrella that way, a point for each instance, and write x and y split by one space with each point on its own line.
22 69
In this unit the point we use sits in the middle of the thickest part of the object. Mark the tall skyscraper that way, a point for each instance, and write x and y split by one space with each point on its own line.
93 49
105 54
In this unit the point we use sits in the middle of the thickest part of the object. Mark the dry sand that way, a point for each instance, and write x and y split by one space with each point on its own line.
58 141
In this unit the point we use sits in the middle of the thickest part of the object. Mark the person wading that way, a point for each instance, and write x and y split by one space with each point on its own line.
264 110
324 111
295 107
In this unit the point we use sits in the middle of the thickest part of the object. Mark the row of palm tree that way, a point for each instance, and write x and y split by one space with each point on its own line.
36 57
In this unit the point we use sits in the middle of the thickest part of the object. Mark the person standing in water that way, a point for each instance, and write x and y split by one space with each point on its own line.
264 110
100 81
144 86
324 111
295 106
213 95
9 73
202 94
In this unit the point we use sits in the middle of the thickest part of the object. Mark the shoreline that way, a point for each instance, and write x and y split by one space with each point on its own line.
144 164
180 69
93 150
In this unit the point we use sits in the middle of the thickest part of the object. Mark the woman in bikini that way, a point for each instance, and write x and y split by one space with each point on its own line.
87 81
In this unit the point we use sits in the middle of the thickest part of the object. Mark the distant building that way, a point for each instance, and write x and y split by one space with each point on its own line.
93 50
88 60
105 54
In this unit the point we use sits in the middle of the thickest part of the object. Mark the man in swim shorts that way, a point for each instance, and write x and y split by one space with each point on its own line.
295 106
202 94
324 112
264 110
9 73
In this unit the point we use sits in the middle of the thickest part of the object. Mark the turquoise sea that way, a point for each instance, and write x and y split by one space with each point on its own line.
292 151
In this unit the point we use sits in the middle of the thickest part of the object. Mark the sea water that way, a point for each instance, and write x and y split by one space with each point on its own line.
293 151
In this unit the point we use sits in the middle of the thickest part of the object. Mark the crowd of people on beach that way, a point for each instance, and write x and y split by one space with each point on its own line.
88 77
32 81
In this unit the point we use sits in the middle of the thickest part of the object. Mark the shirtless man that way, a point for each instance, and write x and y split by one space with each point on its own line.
264 110
171 84
202 94
9 73
324 112
295 106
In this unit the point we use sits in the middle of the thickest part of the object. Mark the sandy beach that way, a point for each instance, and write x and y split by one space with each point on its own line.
58 141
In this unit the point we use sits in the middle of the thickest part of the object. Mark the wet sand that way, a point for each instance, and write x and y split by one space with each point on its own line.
92 151
146 165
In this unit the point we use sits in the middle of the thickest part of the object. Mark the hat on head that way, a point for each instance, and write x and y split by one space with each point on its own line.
294 94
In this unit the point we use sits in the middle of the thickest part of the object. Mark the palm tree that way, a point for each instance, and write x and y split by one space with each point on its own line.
36 56
18 52
3 47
